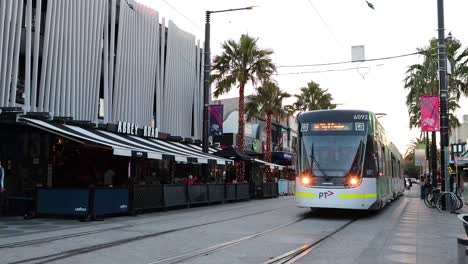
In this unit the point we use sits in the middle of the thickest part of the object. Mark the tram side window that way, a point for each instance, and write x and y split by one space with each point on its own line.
392 165
382 161
371 159
399 169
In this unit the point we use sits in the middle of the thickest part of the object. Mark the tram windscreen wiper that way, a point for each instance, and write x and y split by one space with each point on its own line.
314 161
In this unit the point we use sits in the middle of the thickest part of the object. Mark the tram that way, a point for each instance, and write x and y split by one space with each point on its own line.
346 161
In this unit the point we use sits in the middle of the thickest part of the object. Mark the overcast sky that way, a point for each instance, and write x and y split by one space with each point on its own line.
322 31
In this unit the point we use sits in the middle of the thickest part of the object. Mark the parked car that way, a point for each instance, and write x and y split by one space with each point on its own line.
414 180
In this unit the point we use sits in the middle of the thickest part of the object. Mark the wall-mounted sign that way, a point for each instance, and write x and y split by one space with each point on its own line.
151 132
127 128
133 129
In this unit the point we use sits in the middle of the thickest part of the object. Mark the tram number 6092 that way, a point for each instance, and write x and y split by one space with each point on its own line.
361 117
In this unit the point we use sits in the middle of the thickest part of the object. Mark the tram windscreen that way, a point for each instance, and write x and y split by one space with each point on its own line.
332 155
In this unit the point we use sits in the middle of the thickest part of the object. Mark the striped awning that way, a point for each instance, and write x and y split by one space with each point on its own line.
128 145
269 164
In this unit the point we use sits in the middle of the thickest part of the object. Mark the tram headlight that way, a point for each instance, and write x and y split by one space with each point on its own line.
354 181
305 180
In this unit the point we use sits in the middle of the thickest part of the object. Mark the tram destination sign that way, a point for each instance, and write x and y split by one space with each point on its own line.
331 127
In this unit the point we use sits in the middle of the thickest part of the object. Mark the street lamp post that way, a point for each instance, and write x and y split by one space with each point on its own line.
443 95
207 70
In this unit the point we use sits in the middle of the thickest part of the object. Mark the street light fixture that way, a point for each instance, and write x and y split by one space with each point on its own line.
207 70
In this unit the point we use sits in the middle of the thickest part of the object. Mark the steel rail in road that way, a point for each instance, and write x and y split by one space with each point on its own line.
296 254
116 221
221 246
83 250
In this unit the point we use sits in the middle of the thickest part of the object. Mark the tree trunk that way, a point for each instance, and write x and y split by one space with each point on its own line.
240 168
268 147
268 139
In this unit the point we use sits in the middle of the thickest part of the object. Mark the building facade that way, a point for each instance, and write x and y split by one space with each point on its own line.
460 134
284 133
100 61
91 88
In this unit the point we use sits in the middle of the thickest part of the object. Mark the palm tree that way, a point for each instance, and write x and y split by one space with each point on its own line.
421 79
410 151
312 98
241 62
267 103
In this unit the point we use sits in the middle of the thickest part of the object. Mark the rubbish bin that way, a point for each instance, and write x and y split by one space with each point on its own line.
423 191
464 219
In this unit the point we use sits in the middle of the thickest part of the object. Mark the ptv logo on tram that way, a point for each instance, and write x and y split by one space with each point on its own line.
326 194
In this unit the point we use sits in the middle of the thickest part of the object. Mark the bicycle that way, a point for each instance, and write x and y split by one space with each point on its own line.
431 197
455 201
435 198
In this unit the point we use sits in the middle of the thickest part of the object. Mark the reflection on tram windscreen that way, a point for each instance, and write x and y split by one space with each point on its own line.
331 127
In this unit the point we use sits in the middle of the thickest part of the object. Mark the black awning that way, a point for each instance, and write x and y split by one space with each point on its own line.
232 153
126 145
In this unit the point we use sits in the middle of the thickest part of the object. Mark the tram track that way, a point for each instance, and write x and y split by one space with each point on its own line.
92 232
222 246
286 258
83 250
176 215
296 254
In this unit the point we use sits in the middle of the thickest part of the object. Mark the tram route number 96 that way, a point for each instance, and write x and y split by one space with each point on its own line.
361 117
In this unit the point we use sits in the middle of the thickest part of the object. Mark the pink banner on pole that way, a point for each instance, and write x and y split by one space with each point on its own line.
430 114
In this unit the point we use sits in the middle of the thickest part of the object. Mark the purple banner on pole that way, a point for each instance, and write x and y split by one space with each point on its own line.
216 120
430 114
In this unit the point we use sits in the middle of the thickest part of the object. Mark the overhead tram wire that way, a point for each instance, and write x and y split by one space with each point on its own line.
321 71
182 14
347 62
325 24
202 30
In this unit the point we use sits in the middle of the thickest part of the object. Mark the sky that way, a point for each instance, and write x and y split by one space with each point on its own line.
323 31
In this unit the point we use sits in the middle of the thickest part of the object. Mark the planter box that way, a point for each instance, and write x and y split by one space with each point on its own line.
110 201
148 197
215 192
242 191
198 193
230 192
63 202
175 195
267 190
283 187
274 189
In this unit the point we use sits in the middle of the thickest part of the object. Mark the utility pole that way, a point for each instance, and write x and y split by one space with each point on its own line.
206 84
443 96
207 71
